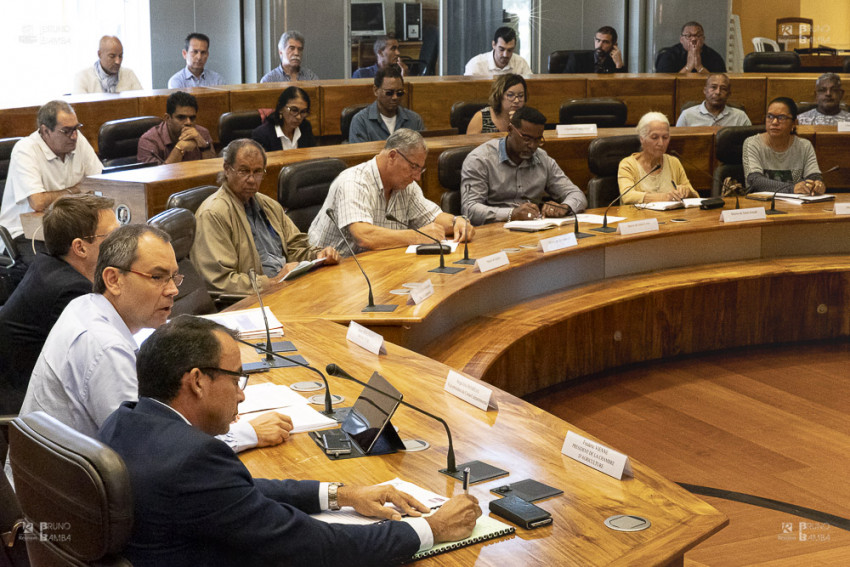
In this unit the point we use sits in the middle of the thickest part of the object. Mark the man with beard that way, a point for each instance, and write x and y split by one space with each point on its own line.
605 58
502 60
828 93
713 110
291 50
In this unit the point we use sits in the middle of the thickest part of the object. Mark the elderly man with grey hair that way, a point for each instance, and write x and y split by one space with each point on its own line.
106 75
828 94
291 49
364 195
387 51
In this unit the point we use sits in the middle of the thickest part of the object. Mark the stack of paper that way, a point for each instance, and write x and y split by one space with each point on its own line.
249 323
347 515
267 396
790 197
670 205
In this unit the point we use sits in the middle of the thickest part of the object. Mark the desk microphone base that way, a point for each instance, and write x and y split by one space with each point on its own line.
378 308
277 346
583 235
774 212
479 471
265 365
447 270
467 261
604 229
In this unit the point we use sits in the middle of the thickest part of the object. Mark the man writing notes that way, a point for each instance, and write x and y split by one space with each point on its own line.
691 54
386 115
177 138
507 178
363 195
713 111
107 75
828 94
195 503
291 50
606 56
502 60
195 74
240 229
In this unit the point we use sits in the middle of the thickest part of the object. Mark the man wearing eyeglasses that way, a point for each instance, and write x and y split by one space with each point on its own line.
386 115
512 178
45 165
606 56
691 54
177 138
239 229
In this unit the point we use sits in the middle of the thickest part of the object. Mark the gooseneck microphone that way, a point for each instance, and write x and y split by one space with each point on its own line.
442 269
370 307
605 227
575 216
270 349
335 370
466 259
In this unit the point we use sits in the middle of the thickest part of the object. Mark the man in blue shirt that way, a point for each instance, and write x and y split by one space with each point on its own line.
387 52
386 115
195 74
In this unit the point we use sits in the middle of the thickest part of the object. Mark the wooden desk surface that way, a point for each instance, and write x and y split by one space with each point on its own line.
519 438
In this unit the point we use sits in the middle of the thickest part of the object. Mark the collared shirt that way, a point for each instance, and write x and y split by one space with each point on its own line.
184 78
366 72
87 368
491 184
87 81
278 75
266 239
286 143
368 124
34 168
700 116
357 195
485 64
813 116
155 145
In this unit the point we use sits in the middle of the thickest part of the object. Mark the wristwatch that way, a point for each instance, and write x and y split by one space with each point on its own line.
333 498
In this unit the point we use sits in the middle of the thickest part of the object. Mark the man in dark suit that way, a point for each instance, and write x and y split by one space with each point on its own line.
606 56
196 504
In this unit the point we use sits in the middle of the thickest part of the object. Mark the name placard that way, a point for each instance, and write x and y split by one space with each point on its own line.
597 456
363 337
421 292
844 126
491 262
575 130
557 242
635 227
470 391
840 209
741 215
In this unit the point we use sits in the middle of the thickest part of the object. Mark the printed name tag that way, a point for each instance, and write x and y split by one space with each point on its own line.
844 126
596 456
842 208
634 227
575 130
740 215
557 242
491 262
421 292
470 391
363 337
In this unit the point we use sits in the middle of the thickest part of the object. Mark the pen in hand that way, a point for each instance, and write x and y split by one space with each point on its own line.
466 481
676 195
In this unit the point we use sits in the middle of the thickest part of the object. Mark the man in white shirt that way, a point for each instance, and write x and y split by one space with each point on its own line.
502 60
713 111
107 75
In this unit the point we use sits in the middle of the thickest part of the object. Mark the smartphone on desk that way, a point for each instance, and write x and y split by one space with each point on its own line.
335 443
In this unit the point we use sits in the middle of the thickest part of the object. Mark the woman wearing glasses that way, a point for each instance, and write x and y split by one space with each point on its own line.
661 176
507 95
778 160
287 127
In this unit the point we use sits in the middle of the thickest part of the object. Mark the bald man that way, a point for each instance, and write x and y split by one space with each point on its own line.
107 75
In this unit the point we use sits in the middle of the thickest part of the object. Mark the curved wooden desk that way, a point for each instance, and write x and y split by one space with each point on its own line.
692 286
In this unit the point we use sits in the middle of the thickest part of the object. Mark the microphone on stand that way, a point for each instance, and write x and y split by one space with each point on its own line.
442 269
466 259
773 211
271 348
370 307
566 208
605 227
710 202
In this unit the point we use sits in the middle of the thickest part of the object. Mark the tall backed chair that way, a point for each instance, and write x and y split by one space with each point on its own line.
346 116
6 145
74 488
193 297
603 160
661 53
118 140
765 44
11 273
462 112
449 165
302 188
558 59
190 199
729 149
768 62
604 112
846 67
427 62
13 547
236 125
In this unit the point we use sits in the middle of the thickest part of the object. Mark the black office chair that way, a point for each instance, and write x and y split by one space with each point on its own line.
558 59
661 53
768 62
427 62
461 114
302 188
604 112
13 547
346 116
190 199
603 160
118 140
729 149
846 67
449 165
236 125
73 490
11 272
6 145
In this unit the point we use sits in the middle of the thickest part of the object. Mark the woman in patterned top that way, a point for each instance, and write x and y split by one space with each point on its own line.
507 95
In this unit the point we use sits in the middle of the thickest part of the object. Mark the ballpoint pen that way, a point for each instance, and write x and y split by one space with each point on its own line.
466 481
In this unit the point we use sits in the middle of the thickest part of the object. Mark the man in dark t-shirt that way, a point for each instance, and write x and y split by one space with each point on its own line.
691 54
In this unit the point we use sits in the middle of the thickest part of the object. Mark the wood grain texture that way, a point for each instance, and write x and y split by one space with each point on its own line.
655 92
518 437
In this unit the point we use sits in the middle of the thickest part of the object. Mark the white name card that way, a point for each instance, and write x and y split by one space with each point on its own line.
575 130
596 456
557 242
470 391
844 126
491 262
740 215
842 208
421 292
363 337
635 227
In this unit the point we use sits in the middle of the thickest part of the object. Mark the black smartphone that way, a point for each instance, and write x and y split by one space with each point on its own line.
524 514
336 443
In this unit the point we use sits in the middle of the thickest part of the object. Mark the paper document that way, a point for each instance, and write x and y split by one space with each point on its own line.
304 418
347 515
689 203
302 268
260 397
597 219
790 197
249 323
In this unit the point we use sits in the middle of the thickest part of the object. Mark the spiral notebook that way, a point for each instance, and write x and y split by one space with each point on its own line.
486 528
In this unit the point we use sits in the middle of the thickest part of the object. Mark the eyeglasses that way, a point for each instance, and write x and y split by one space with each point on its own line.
693 35
160 279
295 111
246 173
415 166
531 140
242 379
69 131
93 236
778 117
389 92
514 96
